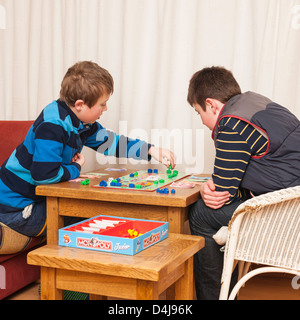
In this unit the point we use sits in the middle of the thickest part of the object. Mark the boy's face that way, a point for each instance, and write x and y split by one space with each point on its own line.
91 115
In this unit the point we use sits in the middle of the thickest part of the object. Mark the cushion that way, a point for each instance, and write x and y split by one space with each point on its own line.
18 273
12 133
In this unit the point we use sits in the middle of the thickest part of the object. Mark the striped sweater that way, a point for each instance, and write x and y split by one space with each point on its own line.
236 143
45 155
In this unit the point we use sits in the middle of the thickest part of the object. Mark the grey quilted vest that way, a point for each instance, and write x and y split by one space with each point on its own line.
279 167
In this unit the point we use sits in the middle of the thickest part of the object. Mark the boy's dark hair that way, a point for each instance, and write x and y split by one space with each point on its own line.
85 81
215 83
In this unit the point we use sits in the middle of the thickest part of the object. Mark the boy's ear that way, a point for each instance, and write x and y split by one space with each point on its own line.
211 104
78 105
214 105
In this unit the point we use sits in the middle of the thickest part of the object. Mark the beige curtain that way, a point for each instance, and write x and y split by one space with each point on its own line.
152 48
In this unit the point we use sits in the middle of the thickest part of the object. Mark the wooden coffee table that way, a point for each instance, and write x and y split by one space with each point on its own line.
76 200
142 276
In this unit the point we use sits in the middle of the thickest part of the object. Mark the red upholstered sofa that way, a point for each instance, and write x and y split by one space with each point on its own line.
15 273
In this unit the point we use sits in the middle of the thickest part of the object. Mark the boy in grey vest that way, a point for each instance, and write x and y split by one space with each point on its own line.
257 151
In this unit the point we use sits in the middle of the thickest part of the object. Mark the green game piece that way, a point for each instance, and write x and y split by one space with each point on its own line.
138 186
136 174
85 182
169 171
156 182
161 181
170 176
175 173
115 181
170 167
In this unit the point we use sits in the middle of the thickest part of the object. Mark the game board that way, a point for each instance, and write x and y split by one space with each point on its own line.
143 180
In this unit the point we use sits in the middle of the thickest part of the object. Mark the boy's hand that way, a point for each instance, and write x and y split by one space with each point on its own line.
79 158
164 156
212 198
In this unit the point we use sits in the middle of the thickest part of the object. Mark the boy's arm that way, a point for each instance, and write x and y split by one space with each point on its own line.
237 141
232 157
110 144
48 156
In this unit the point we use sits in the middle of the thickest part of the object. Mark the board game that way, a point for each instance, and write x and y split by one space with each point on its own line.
114 234
145 180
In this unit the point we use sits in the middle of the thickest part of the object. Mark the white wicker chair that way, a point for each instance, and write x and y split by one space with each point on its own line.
263 230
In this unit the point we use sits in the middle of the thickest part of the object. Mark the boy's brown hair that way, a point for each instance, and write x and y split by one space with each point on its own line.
215 83
85 81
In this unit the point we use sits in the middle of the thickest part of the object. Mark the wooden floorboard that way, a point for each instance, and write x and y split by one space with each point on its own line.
259 288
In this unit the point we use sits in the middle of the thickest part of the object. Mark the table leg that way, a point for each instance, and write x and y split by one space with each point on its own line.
54 220
184 287
176 218
48 285
146 290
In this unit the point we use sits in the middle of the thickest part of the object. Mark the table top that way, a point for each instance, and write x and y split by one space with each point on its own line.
182 197
152 263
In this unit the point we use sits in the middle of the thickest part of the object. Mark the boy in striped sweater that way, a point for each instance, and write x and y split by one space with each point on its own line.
257 151
51 151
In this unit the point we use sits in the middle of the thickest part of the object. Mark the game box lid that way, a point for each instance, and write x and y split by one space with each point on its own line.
114 234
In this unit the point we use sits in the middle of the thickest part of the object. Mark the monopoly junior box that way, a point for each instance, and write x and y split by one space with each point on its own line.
114 234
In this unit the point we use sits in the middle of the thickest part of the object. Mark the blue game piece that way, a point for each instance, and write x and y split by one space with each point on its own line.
150 170
131 175
155 171
157 190
118 179
173 191
131 185
112 184
103 183
161 191
119 184
166 191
